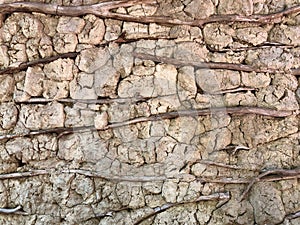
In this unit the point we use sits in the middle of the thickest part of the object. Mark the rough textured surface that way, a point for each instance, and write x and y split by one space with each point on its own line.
123 172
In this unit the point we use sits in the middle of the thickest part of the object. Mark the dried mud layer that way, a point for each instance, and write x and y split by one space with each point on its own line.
152 113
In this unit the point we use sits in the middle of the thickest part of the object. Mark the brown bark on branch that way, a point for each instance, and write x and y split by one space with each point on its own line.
25 65
112 178
156 117
103 10
37 100
218 164
86 101
24 174
119 100
120 40
261 46
272 175
87 173
212 65
276 175
229 180
212 197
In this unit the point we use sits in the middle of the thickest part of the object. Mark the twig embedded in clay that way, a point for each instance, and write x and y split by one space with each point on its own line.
293 216
24 174
261 46
218 164
90 173
103 10
239 110
211 65
136 99
25 65
120 40
272 175
9 211
233 90
160 209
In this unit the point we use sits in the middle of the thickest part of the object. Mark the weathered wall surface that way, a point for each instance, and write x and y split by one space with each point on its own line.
177 169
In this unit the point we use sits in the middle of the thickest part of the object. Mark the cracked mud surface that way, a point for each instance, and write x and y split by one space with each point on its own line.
101 136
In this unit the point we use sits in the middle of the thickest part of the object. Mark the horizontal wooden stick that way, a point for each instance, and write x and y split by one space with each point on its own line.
218 164
24 174
25 65
157 210
261 46
86 101
272 175
102 10
112 178
120 40
233 90
87 173
9 211
211 65
239 110
37 100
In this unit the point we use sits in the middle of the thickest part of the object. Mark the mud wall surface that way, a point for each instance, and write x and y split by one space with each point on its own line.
145 112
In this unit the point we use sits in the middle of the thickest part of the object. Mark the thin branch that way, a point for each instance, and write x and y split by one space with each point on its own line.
234 149
57 130
277 175
120 40
211 65
25 65
261 46
86 101
87 173
280 174
217 164
223 180
240 110
103 10
98 174
230 180
123 39
8 211
38 100
293 216
160 209
233 90
90 173
24 174
91 101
